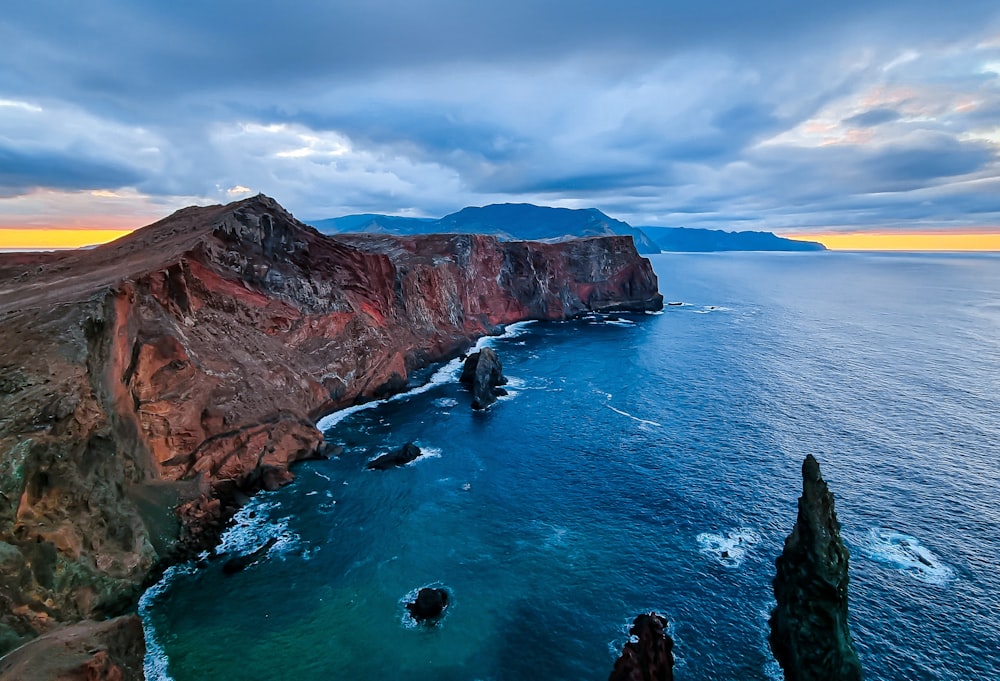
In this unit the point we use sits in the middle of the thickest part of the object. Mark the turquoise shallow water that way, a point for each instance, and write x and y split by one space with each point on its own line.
628 457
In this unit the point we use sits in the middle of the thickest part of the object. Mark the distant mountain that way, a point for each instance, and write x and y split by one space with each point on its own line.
509 221
528 222
373 224
691 240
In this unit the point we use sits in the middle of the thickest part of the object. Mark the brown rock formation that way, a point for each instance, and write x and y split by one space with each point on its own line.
650 657
810 636
483 374
183 367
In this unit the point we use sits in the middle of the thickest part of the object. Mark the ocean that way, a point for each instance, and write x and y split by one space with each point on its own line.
642 462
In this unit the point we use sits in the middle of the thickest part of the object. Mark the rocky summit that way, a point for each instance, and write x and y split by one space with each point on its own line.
810 636
649 655
149 385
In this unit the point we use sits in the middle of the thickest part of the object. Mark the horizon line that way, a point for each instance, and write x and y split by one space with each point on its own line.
13 239
905 241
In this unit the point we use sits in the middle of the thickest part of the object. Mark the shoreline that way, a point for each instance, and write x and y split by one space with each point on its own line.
156 662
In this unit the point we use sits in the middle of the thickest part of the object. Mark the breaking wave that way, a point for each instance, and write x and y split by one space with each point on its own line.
729 549
906 554
448 373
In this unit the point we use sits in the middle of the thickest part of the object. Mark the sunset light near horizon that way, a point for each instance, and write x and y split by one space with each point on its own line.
882 241
49 239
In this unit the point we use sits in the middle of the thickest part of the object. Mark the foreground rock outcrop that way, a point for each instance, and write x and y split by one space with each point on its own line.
112 650
149 385
483 374
650 656
810 636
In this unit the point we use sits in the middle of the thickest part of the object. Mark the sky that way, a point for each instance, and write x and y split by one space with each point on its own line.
794 117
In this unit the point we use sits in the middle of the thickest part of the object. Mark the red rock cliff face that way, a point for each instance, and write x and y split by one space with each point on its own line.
184 366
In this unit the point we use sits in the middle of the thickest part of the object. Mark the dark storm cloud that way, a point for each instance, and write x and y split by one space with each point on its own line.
873 117
21 171
114 49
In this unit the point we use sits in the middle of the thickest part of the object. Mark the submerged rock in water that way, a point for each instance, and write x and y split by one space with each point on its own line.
483 373
238 563
649 657
810 636
429 605
398 457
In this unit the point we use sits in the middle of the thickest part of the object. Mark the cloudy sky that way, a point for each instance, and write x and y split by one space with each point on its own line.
784 115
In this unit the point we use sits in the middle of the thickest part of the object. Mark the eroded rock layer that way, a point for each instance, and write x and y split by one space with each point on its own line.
810 636
183 367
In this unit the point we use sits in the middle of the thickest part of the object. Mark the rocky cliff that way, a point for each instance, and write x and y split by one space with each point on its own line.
149 385
810 636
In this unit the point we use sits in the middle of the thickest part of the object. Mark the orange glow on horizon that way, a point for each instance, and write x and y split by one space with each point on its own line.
876 241
47 239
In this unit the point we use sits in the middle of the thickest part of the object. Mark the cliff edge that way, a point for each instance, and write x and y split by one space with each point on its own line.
149 385
810 636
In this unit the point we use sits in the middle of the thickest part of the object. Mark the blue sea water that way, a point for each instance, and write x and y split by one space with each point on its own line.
649 463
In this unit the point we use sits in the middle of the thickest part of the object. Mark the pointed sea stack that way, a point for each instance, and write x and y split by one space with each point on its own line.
810 637
650 657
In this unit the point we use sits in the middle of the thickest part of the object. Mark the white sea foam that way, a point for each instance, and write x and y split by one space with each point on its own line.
729 549
252 527
448 373
906 554
445 402
596 320
155 665
636 418
654 312
426 453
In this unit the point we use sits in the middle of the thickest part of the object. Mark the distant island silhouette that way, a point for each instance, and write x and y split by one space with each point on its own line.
528 222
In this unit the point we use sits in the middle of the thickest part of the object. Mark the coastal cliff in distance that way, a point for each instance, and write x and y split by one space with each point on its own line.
506 221
695 240
149 385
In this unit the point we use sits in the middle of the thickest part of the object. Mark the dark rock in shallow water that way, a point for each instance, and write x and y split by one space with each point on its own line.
483 373
399 457
430 604
809 630
237 563
651 657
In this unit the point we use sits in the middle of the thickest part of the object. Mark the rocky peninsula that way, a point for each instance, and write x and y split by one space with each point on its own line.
148 386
